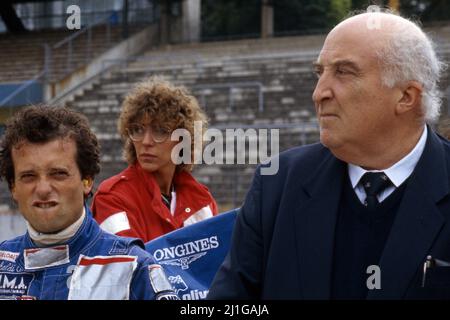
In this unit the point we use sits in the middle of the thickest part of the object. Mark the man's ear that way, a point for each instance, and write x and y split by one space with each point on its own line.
87 185
411 98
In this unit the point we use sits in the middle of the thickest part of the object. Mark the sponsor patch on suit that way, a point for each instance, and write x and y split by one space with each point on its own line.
41 258
158 278
8 255
102 278
14 285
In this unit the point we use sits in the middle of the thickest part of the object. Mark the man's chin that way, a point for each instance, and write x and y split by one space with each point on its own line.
327 141
46 219
46 212
335 146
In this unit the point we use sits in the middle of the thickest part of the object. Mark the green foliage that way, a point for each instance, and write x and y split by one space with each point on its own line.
227 18
301 16
426 10
338 10
241 18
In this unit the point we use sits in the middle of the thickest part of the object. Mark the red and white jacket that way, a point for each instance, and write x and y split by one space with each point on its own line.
129 204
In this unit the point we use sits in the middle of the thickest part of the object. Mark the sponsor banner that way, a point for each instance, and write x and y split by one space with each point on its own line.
192 255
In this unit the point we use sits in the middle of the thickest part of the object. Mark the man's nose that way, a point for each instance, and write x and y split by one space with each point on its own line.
322 90
43 187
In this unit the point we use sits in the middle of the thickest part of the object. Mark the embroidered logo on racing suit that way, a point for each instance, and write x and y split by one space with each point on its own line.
160 284
14 285
8 256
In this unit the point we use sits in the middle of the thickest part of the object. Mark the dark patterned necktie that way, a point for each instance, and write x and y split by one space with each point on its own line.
374 183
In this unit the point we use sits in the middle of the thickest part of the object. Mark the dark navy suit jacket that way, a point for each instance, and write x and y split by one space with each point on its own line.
283 240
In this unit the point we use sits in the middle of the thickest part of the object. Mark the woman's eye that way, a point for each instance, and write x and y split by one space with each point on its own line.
138 130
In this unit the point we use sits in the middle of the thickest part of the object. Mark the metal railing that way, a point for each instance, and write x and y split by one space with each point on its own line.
25 85
69 44
177 60
107 65
46 75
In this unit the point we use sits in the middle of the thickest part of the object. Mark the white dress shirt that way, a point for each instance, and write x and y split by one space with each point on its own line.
397 173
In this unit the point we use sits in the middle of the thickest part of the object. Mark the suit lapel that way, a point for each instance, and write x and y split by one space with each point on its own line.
417 223
315 220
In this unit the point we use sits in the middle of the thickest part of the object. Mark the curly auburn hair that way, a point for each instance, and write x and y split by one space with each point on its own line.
41 124
169 105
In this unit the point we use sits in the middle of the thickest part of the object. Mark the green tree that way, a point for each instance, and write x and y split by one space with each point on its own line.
362 5
239 18
338 10
301 16
307 16
426 10
230 18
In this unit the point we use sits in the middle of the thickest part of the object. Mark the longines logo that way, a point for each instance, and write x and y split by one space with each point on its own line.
184 254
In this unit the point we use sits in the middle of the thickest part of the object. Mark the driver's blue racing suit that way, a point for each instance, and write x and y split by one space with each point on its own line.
93 264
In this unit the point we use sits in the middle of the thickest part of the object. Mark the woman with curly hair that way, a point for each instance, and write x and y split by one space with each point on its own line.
153 195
